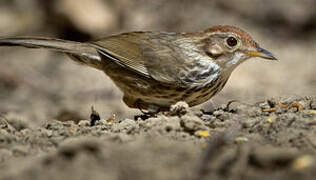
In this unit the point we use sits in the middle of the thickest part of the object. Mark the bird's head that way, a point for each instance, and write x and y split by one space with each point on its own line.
230 46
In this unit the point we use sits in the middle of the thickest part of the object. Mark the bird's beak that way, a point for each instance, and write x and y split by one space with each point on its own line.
260 52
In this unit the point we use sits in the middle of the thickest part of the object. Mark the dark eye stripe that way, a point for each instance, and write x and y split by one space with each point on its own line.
231 41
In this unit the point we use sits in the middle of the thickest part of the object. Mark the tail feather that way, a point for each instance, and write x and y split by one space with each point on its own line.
80 52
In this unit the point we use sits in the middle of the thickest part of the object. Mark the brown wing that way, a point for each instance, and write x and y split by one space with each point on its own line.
125 49
149 54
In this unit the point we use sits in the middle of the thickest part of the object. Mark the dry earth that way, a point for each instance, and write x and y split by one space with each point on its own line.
272 139
45 99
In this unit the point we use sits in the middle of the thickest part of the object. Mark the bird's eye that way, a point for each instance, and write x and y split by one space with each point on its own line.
231 41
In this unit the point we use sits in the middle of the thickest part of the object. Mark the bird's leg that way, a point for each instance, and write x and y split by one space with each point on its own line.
139 104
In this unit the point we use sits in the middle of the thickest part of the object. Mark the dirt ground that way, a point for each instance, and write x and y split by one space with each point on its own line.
272 139
261 126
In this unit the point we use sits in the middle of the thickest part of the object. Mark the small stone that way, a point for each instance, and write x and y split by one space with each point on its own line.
5 125
224 116
180 109
302 104
206 117
289 100
237 107
209 107
223 106
246 124
240 140
84 123
233 106
192 123
5 137
26 132
18 122
313 104
265 113
101 122
264 105
218 113
49 133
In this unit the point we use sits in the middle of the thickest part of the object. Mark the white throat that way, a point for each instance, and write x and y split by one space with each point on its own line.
238 58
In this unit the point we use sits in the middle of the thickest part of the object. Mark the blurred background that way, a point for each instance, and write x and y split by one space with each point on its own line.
39 85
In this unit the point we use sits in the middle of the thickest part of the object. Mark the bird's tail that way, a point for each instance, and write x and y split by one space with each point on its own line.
83 53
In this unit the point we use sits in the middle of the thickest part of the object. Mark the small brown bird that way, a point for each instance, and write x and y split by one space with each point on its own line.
157 69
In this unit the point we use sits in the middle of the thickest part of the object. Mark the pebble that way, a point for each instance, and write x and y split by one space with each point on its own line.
264 105
5 125
180 108
240 140
224 116
5 137
101 122
218 113
192 123
234 106
313 104
84 123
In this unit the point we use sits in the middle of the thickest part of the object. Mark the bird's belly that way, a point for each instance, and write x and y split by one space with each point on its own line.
196 96
165 96
151 92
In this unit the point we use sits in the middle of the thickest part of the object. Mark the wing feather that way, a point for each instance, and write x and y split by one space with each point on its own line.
153 55
125 49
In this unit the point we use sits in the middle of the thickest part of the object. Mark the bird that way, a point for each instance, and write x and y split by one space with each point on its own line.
154 70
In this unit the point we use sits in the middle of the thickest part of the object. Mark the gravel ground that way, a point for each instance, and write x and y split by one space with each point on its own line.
45 99
272 139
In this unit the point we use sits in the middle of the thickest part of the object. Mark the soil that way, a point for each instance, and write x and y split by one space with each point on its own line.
272 139
46 99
